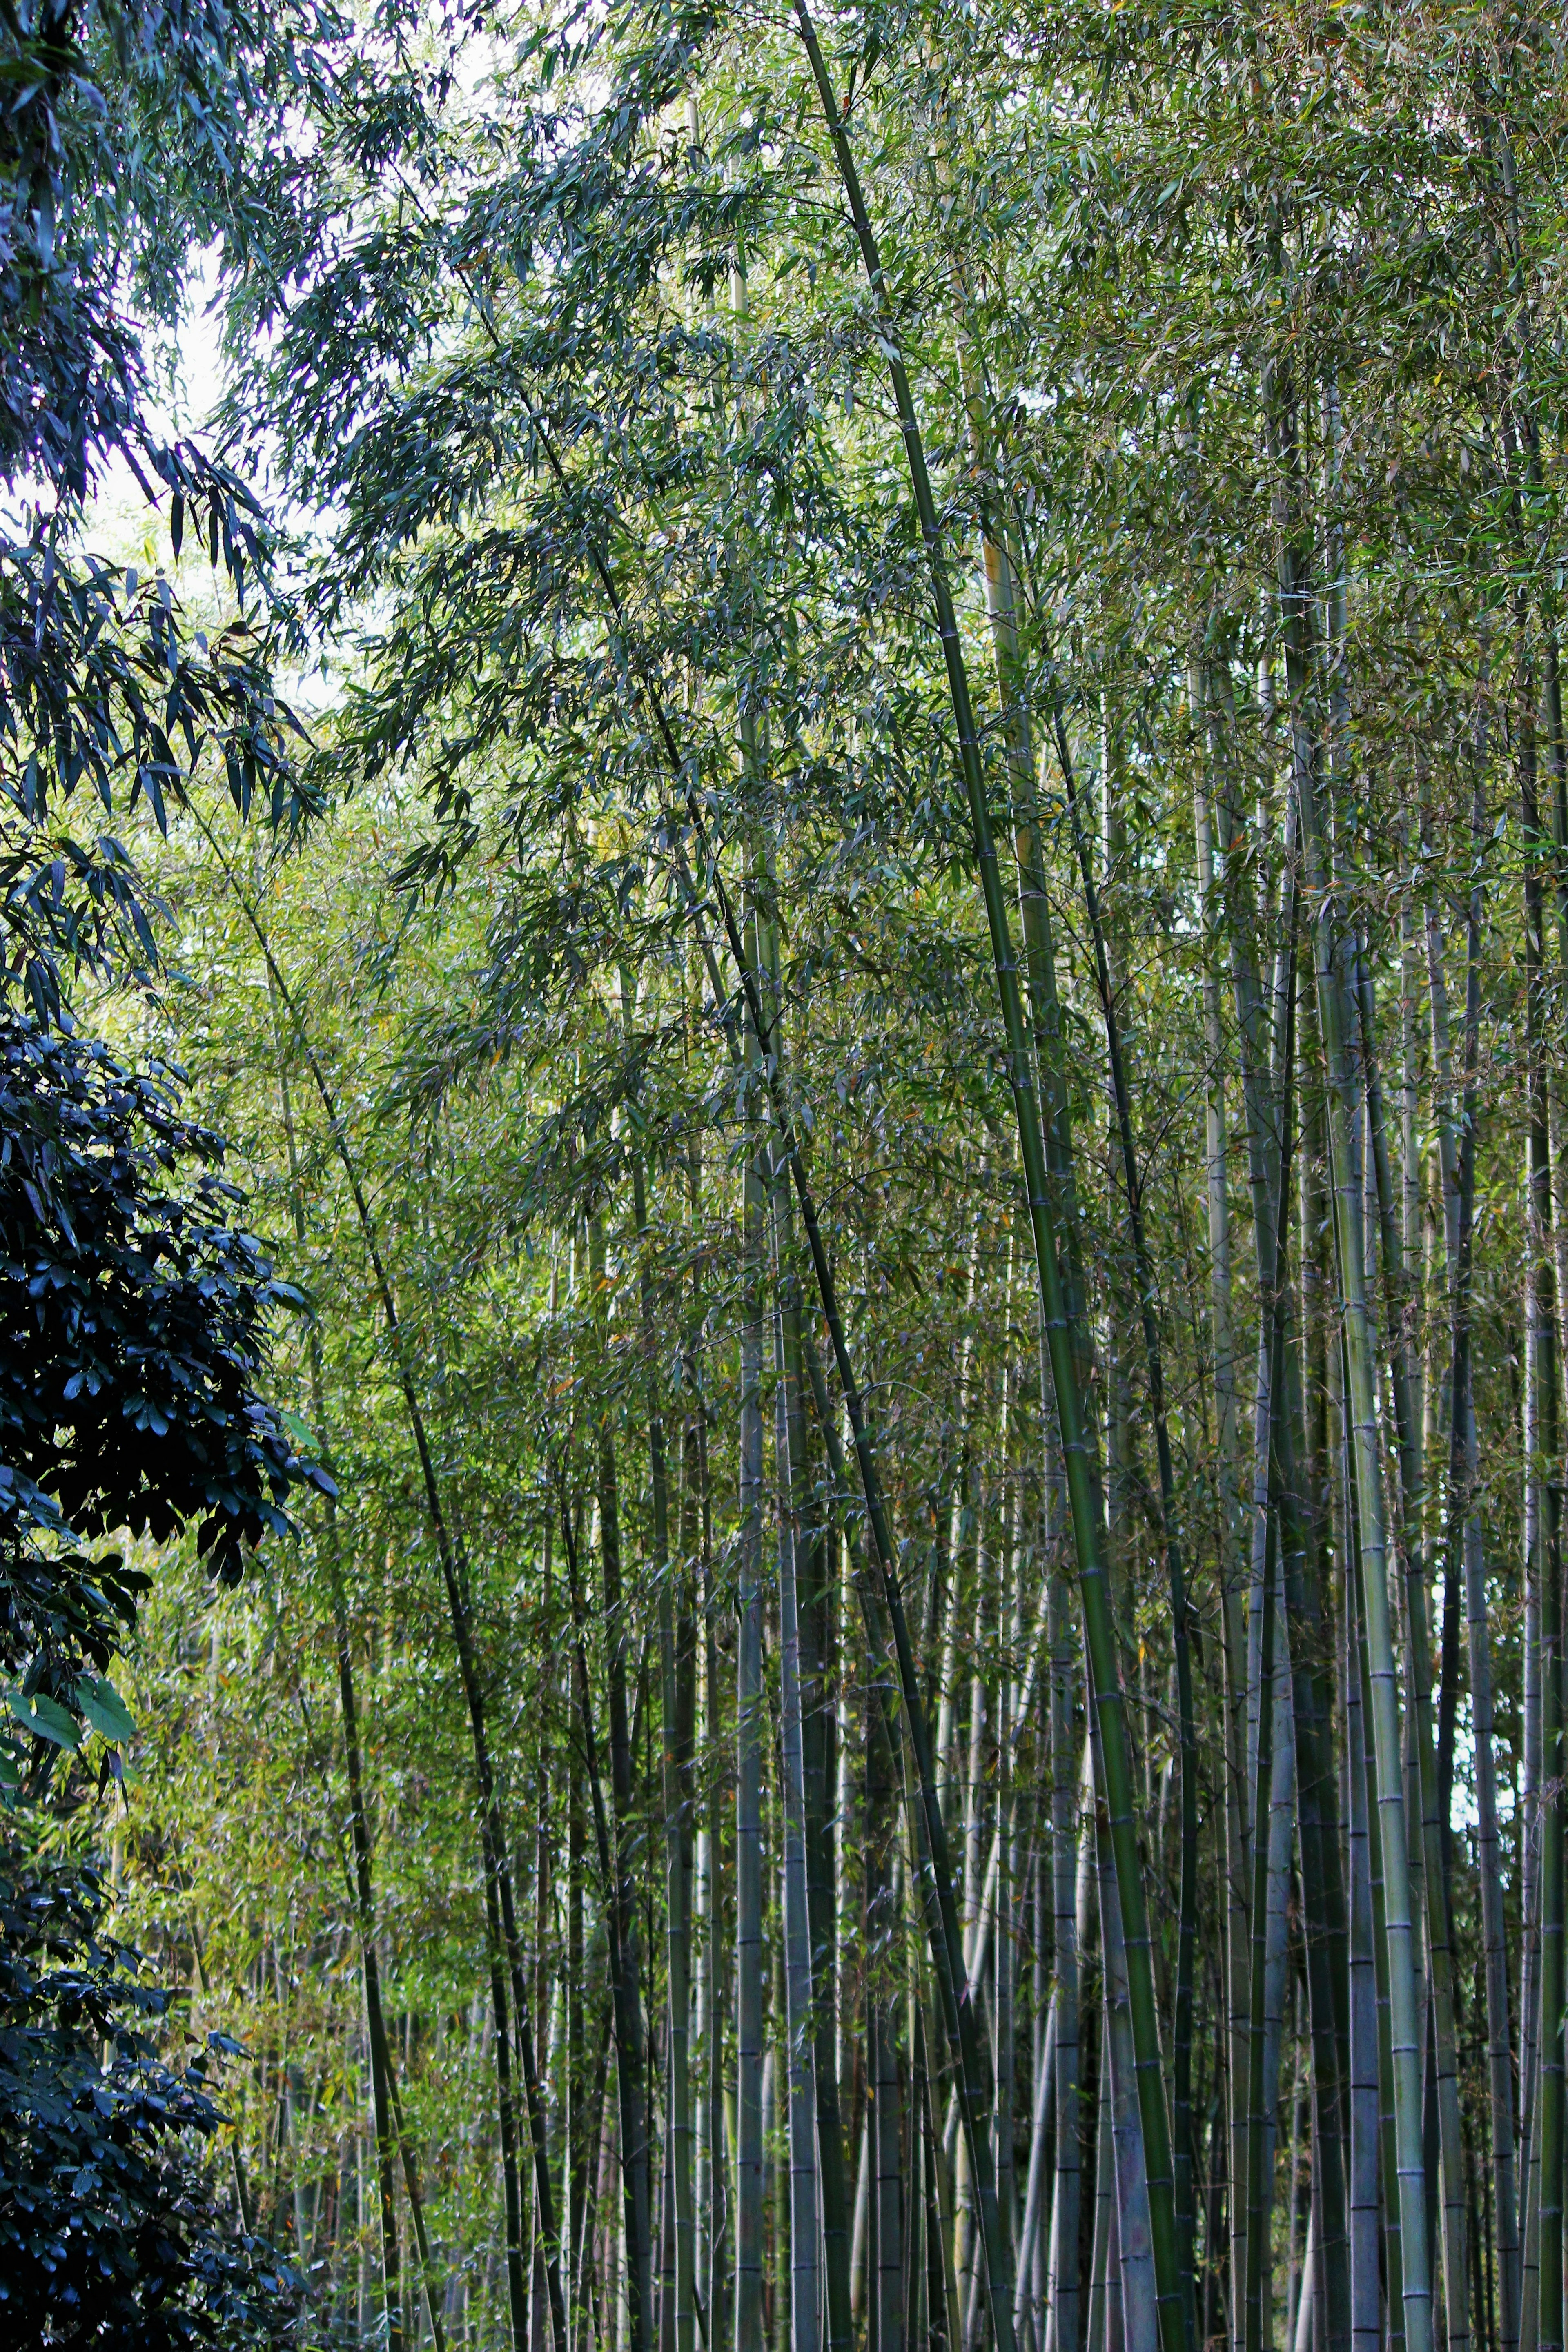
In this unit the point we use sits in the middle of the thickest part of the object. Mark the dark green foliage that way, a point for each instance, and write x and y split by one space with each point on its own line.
109 2231
134 1320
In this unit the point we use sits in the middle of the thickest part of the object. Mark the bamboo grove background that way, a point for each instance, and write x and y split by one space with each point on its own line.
918 1078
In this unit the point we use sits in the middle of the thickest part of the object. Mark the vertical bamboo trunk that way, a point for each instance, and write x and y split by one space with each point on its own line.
750 1719
1388 2151
1000 1905
1138 2314
712 2202
580 2106
1307 1652
674 1742
1464 1538
1260 2149
631 2072
1434 1874
717 2204
1061 2331
1549 2193
1431 1853
501 1919
1154 1370
1207 714
819 1614
1263 1134
806 1615
883 2244
799 2018
1278 1842
1360 1402
383 2089
1099 1626
1365 2143
887 2199
1529 1799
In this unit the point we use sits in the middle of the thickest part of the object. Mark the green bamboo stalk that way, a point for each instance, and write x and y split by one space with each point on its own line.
1366 2329
626 1997
1135 2254
505 1952
676 1925
1455 2275
1260 2135
1388 2151
1148 1307
749 1717
1464 1543
388 2120
621 1886
1099 1621
805 2297
1305 1647
1062 2277
946 1942
1206 716
1549 2189
1309 1702
1360 1402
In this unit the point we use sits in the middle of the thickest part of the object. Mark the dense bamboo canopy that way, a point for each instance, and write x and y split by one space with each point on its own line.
866 854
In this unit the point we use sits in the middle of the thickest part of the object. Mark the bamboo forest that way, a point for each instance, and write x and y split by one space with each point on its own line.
783 1175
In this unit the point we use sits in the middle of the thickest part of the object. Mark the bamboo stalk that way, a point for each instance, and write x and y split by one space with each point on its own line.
1092 1577
1360 1400
620 1920
1237 1930
805 2296
749 1709
1464 1540
676 1923
506 1949
1548 2189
